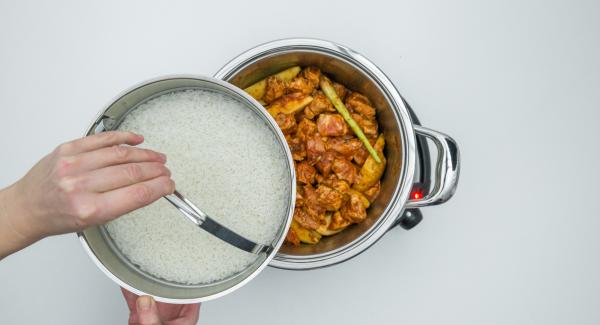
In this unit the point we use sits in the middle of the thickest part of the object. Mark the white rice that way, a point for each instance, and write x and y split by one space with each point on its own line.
225 160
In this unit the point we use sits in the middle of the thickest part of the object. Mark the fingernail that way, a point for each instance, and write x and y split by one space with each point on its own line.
163 157
144 303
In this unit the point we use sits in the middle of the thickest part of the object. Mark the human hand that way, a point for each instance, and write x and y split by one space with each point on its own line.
84 182
144 310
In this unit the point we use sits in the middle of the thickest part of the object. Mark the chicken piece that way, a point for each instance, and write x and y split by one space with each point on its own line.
292 237
333 182
315 212
325 229
361 155
325 162
297 147
312 74
326 180
306 129
319 105
310 195
372 192
299 197
321 179
344 170
342 187
336 183
338 222
371 171
369 127
315 148
301 85
306 219
306 82
312 207
305 235
329 198
332 125
354 210
258 89
305 173
346 147
340 90
287 123
360 104
289 104
274 89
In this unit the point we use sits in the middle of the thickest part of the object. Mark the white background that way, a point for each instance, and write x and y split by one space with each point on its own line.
516 83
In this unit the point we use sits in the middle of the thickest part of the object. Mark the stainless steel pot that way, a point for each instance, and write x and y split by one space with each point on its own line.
359 74
106 255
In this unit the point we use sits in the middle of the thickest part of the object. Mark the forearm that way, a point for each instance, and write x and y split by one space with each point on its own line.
14 234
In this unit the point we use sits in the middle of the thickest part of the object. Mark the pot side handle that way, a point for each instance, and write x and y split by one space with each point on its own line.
447 169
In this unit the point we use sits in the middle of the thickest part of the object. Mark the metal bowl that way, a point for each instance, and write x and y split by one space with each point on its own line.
100 246
359 74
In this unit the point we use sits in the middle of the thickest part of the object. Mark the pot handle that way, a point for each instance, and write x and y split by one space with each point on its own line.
447 169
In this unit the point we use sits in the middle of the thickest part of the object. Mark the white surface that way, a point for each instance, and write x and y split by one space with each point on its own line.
516 83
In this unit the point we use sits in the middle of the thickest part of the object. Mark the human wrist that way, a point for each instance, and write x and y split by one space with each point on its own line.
17 230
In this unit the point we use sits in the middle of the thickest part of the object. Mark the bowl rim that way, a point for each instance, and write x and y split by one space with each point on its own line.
93 127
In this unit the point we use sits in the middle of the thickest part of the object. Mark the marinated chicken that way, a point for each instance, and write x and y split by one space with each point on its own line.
337 177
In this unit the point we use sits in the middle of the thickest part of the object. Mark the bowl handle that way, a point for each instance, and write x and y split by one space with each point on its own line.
447 169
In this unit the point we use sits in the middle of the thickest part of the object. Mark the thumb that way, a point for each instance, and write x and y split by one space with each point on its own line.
147 312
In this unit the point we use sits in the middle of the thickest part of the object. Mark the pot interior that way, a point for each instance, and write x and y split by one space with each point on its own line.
357 79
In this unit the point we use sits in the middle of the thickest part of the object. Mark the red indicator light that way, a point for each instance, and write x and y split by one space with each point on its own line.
417 195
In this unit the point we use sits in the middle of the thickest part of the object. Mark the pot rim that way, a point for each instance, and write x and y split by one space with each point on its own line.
92 128
396 205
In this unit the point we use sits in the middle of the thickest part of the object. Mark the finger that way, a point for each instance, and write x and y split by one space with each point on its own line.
100 140
146 311
188 316
130 298
110 156
113 177
126 199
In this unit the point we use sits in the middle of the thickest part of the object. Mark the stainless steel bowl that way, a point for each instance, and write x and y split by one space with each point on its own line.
100 246
359 74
